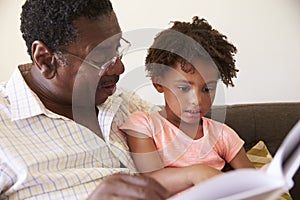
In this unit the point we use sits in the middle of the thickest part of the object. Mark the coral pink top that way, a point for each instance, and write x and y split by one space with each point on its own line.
219 143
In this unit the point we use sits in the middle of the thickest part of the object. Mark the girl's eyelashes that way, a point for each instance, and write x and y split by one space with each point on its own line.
188 88
209 89
183 88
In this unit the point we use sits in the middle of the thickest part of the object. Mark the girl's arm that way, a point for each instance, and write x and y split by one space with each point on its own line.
179 179
144 152
148 162
241 160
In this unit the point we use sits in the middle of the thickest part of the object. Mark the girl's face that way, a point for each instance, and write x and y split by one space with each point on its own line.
188 96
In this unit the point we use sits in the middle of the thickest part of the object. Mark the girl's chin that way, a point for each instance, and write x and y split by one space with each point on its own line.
192 119
192 122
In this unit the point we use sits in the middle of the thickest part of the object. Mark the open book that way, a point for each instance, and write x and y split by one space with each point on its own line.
268 183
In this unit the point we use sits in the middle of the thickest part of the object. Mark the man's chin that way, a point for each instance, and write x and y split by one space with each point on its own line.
103 93
110 89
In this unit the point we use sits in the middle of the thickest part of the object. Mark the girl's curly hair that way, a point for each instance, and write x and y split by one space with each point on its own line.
185 41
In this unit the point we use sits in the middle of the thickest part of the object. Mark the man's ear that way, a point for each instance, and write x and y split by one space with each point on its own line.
157 83
43 59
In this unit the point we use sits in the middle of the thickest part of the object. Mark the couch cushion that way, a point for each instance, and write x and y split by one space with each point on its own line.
259 155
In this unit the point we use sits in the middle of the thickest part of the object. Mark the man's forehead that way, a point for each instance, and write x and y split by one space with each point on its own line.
100 32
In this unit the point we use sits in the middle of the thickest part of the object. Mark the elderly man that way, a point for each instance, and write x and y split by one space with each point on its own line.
60 114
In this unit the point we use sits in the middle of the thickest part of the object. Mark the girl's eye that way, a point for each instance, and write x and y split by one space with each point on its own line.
183 88
209 89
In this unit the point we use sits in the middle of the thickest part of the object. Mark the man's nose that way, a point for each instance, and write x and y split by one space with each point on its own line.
116 69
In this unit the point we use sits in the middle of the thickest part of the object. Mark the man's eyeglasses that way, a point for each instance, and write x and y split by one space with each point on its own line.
122 50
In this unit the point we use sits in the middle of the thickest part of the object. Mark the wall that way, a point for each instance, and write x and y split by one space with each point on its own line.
13 49
266 34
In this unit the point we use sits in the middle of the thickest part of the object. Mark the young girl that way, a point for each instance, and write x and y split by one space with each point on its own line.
178 145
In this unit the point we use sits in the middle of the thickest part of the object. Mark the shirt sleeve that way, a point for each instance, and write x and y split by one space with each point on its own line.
138 122
232 143
138 104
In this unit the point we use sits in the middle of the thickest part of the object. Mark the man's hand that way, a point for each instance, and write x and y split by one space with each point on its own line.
129 187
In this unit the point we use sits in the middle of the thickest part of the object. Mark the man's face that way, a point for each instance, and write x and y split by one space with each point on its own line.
96 43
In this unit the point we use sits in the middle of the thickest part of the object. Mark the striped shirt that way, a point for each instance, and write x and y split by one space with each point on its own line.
44 155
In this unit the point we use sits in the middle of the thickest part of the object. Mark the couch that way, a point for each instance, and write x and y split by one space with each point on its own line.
269 122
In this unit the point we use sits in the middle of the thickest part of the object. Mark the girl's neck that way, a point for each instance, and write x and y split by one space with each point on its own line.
194 131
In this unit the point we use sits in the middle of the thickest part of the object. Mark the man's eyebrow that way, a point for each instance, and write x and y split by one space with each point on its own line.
102 49
108 44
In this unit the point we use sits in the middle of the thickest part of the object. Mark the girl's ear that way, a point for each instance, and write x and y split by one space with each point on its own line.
157 83
43 59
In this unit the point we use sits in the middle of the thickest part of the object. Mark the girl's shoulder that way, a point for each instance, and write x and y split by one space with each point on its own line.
217 127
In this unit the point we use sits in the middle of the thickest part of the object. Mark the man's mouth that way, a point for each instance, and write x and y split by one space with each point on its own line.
110 89
108 82
109 86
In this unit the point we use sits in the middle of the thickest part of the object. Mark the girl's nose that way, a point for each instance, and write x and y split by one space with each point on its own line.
196 98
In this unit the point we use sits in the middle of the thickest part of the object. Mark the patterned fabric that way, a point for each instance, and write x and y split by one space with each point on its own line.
259 155
218 145
44 155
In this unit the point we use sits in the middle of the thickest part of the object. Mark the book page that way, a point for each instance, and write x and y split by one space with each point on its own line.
287 158
238 184
253 184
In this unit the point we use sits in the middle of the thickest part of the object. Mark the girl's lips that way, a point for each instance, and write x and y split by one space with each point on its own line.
193 113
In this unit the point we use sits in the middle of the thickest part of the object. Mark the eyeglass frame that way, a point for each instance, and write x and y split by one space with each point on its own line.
110 62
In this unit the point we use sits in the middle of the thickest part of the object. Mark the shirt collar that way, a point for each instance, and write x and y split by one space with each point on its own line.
24 102
107 112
